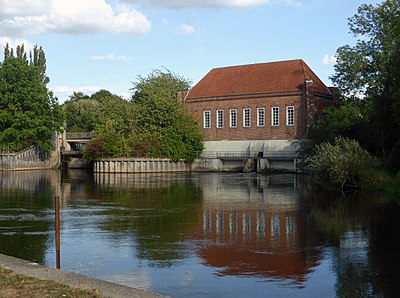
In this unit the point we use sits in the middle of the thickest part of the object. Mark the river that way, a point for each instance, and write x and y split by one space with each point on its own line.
206 234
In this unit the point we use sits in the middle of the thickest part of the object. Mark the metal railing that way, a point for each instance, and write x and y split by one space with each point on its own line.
249 154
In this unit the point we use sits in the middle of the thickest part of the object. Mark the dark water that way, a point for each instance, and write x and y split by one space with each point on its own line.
206 235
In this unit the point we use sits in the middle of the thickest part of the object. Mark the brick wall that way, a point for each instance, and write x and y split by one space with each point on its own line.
266 132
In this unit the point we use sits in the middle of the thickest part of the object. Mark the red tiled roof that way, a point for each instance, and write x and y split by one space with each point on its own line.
284 76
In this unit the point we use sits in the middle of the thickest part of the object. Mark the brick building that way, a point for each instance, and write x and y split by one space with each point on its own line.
258 107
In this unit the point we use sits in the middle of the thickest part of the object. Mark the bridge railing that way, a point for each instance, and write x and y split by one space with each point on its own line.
249 154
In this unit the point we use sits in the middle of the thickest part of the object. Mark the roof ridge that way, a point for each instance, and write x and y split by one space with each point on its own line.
261 63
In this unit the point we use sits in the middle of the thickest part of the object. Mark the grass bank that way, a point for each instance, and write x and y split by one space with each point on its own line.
16 285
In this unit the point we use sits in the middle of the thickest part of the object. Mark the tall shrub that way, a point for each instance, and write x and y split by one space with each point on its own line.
342 163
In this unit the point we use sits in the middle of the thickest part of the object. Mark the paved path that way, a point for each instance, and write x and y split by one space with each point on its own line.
104 288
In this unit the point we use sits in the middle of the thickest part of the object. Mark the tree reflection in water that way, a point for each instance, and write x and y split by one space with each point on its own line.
249 232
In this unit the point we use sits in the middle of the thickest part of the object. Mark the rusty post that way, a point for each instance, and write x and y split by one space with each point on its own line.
57 232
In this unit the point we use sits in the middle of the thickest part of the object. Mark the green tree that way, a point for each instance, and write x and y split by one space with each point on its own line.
101 94
153 123
81 111
78 95
372 67
80 115
29 113
351 120
38 59
162 119
115 126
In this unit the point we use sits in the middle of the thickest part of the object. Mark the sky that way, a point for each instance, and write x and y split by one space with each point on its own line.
107 44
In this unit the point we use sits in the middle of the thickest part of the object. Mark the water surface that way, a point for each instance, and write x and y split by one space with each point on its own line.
206 235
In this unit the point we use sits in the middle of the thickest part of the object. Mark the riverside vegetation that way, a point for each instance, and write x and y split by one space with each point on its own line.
151 124
357 145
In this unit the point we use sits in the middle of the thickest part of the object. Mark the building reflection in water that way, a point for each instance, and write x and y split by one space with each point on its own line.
254 228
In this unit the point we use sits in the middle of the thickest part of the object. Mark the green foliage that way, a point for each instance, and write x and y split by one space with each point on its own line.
152 124
343 163
81 111
347 120
372 68
352 119
162 118
159 86
93 149
80 116
29 114
116 126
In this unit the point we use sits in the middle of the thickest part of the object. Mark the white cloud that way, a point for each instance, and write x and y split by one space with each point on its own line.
13 43
63 92
23 7
110 57
214 3
186 29
70 16
329 59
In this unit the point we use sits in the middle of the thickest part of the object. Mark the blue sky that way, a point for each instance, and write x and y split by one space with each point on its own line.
105 44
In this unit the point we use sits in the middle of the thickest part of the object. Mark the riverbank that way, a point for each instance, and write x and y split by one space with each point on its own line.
17 271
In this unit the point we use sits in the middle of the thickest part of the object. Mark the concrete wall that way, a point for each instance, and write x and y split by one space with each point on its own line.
249 146
139 165
32 158
243 166
208 162
29 159
216 165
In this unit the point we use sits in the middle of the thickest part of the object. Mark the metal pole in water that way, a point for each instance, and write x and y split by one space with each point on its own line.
57 232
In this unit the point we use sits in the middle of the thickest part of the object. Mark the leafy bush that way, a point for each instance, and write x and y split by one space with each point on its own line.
93 149
343 163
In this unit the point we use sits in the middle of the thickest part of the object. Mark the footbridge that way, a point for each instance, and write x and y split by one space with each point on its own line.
75 142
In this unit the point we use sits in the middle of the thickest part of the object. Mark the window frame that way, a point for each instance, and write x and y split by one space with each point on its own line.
290 109
207 119
274 116
220 118
231 111
260 123
246 117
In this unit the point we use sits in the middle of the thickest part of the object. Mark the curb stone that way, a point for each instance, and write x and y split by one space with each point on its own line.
102 287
